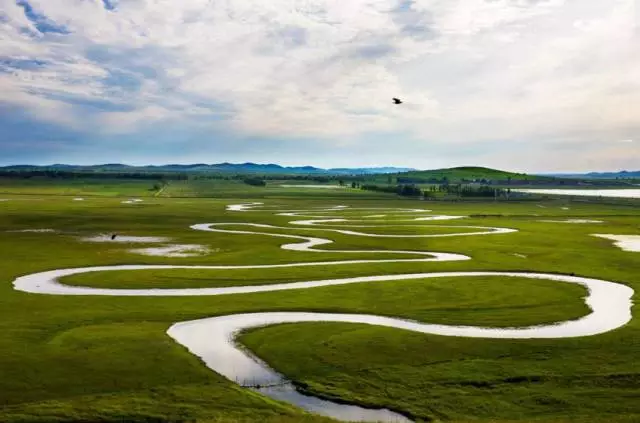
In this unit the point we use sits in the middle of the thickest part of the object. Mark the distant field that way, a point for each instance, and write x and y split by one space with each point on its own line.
236 188
81 186
108 359
216 188
222 188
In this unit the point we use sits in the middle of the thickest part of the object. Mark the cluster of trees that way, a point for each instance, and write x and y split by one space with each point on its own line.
458 190
159 185
445 180
404 190
414 180
470 190
256 182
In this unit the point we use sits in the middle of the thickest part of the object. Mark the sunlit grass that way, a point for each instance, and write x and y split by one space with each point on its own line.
108 358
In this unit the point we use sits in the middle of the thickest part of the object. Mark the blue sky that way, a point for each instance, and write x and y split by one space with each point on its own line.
528 85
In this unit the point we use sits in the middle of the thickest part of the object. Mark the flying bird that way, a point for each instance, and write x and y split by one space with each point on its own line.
397 101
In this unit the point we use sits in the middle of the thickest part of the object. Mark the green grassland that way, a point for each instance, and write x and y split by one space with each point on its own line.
198 186
79 186
216 188
108 359
468 173
222 188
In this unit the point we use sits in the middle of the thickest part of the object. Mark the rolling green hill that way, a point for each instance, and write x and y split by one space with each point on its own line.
484 175
470 174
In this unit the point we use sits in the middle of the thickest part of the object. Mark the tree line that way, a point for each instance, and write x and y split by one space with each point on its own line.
404 190
461 190
458 190
168 175
64 174
256 182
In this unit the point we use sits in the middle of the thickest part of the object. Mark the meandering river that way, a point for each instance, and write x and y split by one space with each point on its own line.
213 339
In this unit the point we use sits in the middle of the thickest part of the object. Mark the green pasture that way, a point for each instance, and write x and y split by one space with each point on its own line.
190 188
80 186
108 359
223 188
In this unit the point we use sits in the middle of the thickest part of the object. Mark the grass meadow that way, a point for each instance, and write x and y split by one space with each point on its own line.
108 359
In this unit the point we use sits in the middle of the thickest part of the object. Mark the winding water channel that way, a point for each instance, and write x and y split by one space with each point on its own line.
213 339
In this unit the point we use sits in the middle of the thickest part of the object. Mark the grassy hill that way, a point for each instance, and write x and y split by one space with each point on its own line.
470 174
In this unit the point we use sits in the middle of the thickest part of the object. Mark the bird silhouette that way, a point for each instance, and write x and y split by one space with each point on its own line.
397 101
114 236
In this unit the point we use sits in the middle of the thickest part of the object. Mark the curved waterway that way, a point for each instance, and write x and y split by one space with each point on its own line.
213 339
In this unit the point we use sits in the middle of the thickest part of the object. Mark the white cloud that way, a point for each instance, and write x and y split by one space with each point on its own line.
469 70
122 122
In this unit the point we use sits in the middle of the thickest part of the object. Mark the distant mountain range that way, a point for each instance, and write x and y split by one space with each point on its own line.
452 174
218 167
625 174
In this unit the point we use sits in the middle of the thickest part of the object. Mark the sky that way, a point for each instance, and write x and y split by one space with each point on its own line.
524 85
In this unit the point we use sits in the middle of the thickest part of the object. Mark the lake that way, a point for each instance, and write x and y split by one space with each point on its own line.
620 193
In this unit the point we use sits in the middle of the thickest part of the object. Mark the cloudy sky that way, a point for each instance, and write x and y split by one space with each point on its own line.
529 85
